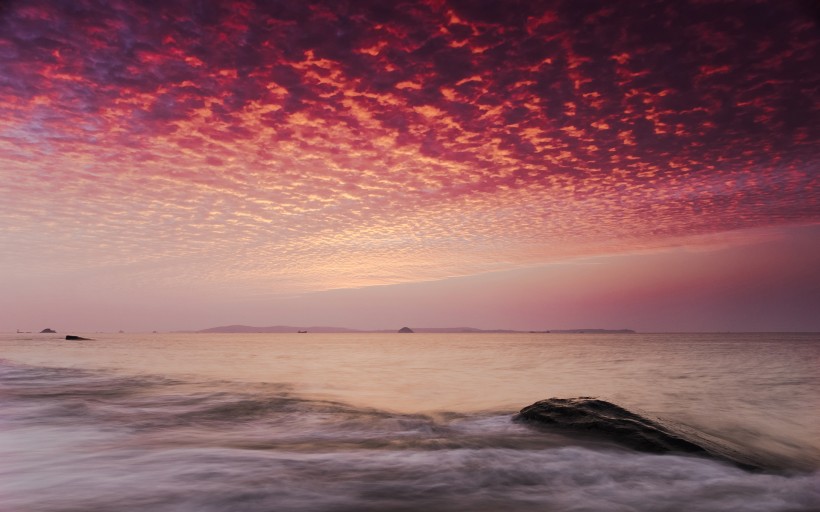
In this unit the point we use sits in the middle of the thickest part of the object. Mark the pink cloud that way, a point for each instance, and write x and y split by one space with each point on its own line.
328 146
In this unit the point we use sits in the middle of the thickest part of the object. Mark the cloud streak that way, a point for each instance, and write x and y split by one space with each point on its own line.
314 145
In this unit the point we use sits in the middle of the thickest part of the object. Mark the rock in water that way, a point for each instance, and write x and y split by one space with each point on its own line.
76 338
405 330
48 330
601 420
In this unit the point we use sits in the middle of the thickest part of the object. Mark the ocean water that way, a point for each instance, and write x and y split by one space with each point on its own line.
372 422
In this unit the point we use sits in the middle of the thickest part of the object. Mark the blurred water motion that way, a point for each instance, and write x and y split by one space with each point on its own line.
336 422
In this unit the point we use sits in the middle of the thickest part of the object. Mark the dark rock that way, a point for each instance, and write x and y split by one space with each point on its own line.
76 338
405 329
48 331
594 419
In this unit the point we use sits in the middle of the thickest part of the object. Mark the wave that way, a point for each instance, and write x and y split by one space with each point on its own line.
93 440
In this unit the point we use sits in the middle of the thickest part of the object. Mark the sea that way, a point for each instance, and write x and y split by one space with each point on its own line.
192 422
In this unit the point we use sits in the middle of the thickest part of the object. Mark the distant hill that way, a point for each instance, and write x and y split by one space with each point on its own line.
275 329
459 330
325 329
593 331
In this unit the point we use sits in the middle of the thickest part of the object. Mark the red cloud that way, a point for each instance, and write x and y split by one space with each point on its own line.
551 130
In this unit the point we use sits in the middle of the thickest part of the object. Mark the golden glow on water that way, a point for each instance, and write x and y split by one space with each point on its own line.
747 385
377 422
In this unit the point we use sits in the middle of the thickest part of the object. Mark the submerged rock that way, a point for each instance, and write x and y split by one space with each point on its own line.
596 419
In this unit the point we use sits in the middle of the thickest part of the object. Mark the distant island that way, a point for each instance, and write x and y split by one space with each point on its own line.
275 329
462 330
593 331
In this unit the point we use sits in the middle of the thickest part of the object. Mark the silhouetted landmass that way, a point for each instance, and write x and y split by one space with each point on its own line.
460 330
325 329
592 331
406 330
48 331
600 420
275 329
71 337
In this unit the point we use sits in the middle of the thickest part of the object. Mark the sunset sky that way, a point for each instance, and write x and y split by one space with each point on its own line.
373 164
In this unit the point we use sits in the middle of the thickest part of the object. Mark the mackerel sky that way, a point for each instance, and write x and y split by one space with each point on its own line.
372 164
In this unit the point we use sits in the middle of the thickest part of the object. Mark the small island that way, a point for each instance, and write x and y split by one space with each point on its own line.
48 331
405 330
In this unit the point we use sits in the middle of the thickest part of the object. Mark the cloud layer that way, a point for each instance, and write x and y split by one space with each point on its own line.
289 146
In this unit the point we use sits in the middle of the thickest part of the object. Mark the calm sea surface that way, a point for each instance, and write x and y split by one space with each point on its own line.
360 422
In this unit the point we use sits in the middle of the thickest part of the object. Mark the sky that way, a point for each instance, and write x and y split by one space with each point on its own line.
652 165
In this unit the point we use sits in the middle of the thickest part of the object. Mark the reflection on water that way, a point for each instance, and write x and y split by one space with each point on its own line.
341 422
